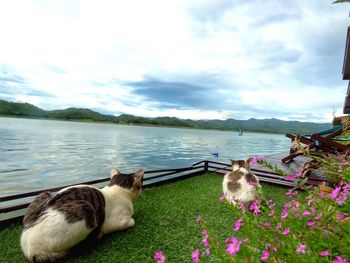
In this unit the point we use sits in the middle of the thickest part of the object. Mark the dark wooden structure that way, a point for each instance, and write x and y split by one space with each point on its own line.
12 208
321 142
346 72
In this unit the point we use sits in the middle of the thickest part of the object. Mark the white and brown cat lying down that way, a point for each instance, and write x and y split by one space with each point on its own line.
240 184
54 223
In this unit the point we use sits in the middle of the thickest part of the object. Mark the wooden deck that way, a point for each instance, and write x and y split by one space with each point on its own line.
291 167
275 159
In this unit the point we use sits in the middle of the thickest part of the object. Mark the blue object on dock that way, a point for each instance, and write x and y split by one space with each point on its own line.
215 154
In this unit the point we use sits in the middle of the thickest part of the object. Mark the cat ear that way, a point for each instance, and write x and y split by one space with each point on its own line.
247 163
138 179
249 160
232 161
140 173
114 172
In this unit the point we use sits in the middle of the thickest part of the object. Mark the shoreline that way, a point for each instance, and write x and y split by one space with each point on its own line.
128 124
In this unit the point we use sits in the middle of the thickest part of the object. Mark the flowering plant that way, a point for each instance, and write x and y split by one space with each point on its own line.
311 226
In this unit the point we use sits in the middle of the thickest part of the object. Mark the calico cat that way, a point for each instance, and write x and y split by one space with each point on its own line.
54 223
240 184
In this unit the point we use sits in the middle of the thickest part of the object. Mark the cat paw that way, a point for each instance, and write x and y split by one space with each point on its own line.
131 222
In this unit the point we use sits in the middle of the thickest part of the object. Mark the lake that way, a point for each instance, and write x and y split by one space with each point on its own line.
37 154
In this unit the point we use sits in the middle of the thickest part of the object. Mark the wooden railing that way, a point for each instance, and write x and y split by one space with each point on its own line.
12 208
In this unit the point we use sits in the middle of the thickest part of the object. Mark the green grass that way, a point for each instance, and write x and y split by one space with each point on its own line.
165 220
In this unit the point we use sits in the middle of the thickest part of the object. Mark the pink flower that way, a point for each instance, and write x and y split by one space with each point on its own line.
284 214
319 216
241 206
159 257
271 247
272 212
342 163
296 214
301 249
324 253
339 259
335 193
289 192
253 183
311 224
270 203
265 255
296 203
198 219
238 224
205 238
313 210
207 252
285 232
267 224
205 241
340 216
278 226
255 160
310 201
195 256
343 197
234 247
287 205
306 213
290 178
322 194
255 208
222 197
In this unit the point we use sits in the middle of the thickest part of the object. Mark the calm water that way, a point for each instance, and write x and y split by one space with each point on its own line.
36 154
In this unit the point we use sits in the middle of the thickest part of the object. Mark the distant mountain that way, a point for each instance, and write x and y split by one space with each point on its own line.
253 125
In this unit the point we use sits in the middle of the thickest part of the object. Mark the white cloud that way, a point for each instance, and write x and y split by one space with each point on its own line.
273 59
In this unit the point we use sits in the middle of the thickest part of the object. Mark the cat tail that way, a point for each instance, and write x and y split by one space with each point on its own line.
47 258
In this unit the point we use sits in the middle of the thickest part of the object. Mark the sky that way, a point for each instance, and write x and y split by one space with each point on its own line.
191 59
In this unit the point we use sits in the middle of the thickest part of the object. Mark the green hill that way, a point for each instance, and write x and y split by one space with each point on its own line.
21 109
252 125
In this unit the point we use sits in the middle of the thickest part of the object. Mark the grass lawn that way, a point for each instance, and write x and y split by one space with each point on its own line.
165 220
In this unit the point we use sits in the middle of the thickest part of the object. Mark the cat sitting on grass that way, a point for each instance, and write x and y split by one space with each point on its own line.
240 185
54 223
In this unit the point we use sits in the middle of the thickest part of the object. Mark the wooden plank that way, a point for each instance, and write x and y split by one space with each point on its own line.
13 208
330 143
346 109
34 193
302 139
346 63
173 171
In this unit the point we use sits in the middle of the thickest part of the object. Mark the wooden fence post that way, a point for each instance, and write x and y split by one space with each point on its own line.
206 167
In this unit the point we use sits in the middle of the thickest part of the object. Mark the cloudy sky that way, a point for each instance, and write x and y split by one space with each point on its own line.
197 59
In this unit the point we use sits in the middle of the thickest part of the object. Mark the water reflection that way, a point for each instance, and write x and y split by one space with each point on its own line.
35 154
